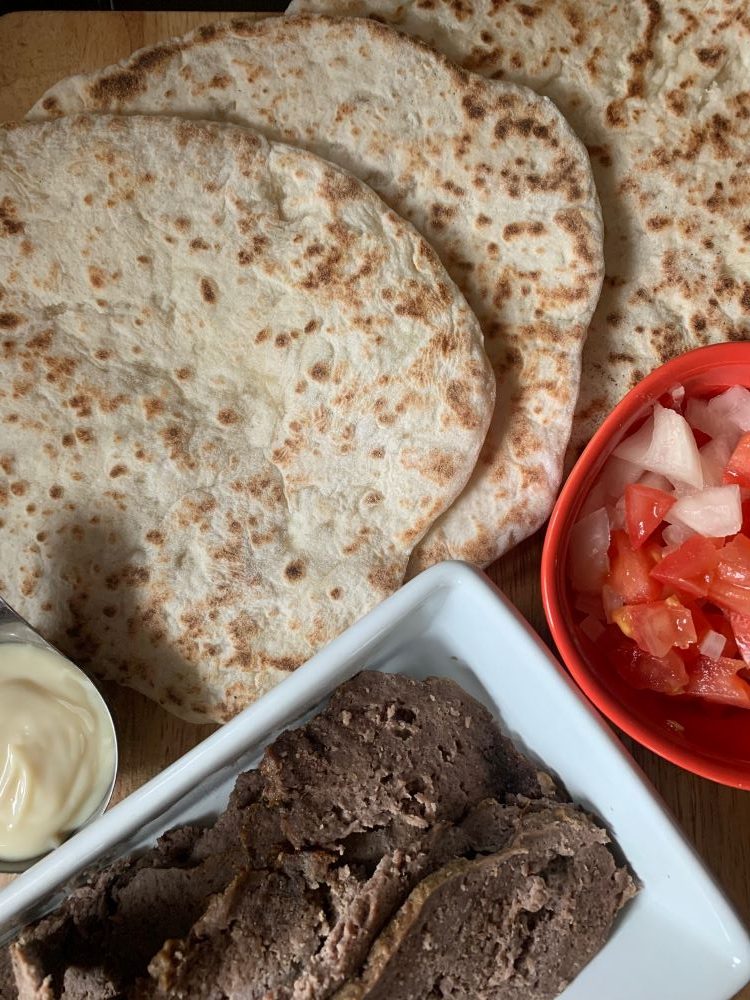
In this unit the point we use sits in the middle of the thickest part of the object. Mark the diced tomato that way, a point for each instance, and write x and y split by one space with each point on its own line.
736 556
645 508
700 619
657 626
730 596
629 573
655 551
741 631
719 681
730 584
690 568
667 605
664 674
738 466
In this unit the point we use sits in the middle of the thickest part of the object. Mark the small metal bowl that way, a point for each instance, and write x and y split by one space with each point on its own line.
14 628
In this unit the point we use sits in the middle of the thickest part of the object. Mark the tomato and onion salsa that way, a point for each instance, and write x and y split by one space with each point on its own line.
659 558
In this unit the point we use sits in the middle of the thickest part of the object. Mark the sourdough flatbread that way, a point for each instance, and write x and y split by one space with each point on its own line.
659 93
490 173
237 390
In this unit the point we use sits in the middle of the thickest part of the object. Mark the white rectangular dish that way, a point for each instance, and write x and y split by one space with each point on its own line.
678 938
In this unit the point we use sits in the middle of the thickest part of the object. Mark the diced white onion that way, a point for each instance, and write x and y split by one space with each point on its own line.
675 535
711 645
731 407
677 393
714 457
673 450
665 445
610 486
717 419
696 412
617 515
617 474
611 601
596 499
684 490
714 512
592 628
655 481
589 562
590 605
635 448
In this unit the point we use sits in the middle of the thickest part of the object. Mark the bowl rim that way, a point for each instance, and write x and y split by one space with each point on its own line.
691 363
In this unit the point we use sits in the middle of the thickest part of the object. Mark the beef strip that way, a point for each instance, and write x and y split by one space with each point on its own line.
324 850
518 924
388 746
256 940
357 890
106 931
8 989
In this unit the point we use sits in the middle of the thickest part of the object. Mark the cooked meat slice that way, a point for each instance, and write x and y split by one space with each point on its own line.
260 938
105 933
518 924
388 746
8 989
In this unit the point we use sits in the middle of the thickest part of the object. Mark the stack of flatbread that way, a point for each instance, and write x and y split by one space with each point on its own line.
659 93
295 308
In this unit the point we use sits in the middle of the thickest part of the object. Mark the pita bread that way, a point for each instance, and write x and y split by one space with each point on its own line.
237 390
490 173
659 93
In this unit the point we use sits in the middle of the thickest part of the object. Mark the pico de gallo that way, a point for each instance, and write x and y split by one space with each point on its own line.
659 558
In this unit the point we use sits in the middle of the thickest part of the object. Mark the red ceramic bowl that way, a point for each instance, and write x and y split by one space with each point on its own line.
710 740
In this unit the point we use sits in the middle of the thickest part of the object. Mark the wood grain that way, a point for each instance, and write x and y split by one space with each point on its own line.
36 49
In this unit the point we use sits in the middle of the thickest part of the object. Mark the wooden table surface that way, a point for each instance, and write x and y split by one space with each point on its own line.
36 49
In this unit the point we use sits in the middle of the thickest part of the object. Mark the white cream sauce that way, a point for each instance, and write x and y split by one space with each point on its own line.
57 749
